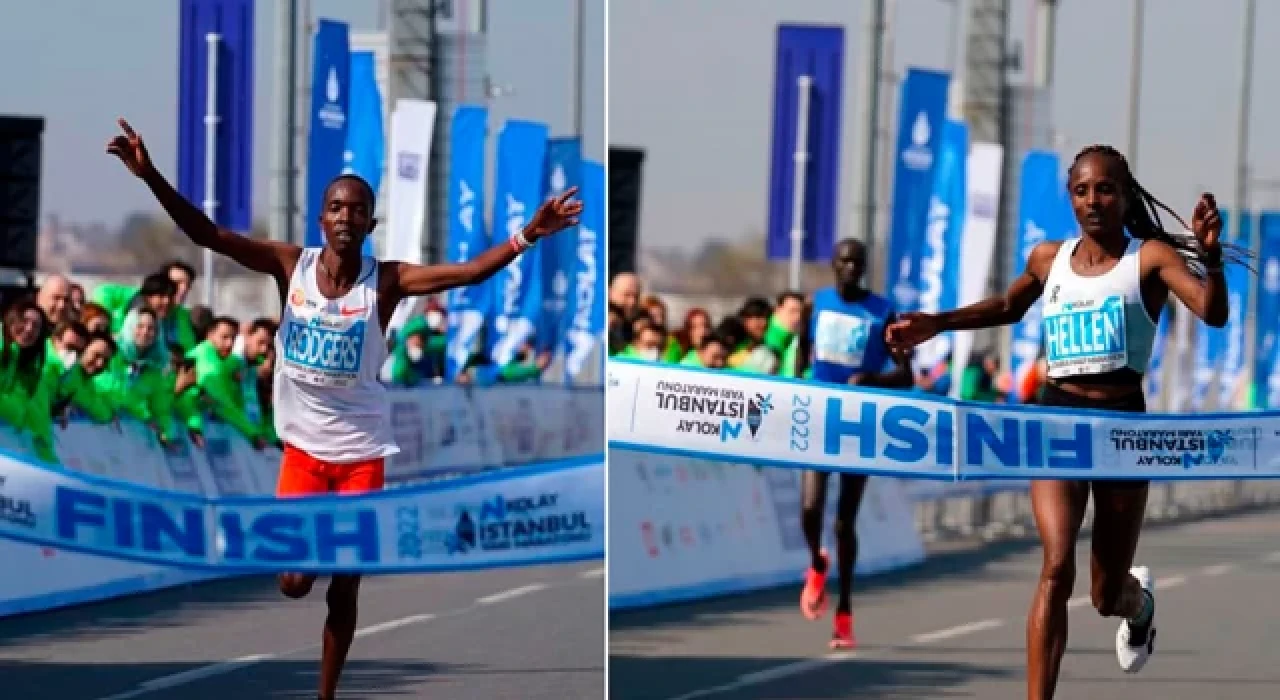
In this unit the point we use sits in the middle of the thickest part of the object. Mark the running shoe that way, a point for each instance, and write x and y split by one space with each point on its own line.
842 637
813 599
1134 645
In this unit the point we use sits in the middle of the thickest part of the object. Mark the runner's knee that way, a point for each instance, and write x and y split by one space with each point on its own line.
296 585
1105 591
1058 576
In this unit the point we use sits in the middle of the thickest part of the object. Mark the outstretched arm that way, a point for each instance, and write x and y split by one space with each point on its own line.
268 257
554 215
1207 299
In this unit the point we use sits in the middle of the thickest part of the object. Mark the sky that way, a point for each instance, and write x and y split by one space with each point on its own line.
692 84
84 63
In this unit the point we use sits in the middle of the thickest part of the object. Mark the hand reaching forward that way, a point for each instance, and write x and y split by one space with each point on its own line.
128 147
555 214
910 330
1206 223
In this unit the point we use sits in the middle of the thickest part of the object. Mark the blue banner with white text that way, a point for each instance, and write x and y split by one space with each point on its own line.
517 289
232 21
940 257
920 118
1209 347
1231 385
1155 368
366 146
564 170
327 137
584 315
1268 309
468 305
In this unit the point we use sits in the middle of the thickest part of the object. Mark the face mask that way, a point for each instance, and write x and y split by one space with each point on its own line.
434 320
414 352
68 357
650 354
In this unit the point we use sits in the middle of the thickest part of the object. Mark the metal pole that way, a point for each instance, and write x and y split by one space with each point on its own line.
286 121
875 30
1242 177
1135 80
210 155
800 160
579 55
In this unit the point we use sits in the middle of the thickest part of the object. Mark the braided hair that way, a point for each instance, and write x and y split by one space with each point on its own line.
1142 218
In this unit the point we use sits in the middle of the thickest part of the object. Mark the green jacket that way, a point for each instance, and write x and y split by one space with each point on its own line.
140 390
219 379
26 402
117 300
70 386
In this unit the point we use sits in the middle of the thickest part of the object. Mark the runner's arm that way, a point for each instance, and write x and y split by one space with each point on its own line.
412 280
1009 307
1206 299
900 375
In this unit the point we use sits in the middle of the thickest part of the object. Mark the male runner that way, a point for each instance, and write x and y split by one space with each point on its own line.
331 411
843 341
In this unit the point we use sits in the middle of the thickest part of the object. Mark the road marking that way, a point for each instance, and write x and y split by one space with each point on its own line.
508 595
770 675
958 631
1170 581
1272 557
1218 569
393 624
592 573
1079 602
195 674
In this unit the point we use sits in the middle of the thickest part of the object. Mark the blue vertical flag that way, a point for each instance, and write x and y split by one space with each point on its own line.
1209 346
232 20
467 306
517 289
585 316
330 83
1268 312
1154 380
923 105
365 145
564 170
1040 218
1237 277
817 52
941 253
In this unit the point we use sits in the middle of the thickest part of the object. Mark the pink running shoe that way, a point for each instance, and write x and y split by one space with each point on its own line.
813 599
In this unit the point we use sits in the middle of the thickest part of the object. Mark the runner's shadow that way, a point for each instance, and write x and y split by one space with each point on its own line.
632 678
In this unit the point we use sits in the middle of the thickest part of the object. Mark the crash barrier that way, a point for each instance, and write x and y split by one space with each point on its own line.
758 433
450 439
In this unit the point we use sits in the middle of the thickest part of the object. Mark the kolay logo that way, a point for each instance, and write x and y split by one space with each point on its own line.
718 412
502 524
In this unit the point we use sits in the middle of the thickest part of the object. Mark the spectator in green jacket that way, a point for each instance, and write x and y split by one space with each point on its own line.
134 381
219 373
649 344
413 360
266 373
69 384
712 354
79 391
189 402
156 293
255 342
25 403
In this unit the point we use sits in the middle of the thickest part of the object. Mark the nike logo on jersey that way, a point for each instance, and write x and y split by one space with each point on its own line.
345 311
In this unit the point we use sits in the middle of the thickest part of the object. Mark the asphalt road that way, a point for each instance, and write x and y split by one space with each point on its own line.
955 628
532 633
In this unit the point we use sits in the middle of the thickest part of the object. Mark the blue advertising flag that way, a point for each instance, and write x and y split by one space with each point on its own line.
517 289
1268 312
817 52
330 94
232 20
940 257
467 306
585 315
1231 381
365 145
1039 219
1209 347
1155 382
564 170
924 104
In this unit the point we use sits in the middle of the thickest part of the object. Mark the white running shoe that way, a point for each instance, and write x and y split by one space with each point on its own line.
1135 645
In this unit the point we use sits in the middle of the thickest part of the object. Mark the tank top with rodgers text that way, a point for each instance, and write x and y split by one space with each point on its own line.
328 400
1095 325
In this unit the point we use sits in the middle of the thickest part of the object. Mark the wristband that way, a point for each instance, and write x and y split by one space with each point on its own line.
519 243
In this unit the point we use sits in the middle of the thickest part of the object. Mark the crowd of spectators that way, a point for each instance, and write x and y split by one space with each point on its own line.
138 352
762 338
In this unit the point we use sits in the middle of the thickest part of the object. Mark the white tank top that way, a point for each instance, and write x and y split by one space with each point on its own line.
1095 325
328 401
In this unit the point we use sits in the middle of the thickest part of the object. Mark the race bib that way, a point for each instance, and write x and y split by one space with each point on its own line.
323 356
841 339
1086 337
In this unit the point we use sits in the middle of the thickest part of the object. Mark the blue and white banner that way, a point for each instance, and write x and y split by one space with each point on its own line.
584 316
1231 386
327 136
564 170
366 145
1039 219
940 260
923 107
534 516
517 289
467 306
1209 347
771 422
1268 308
1155 368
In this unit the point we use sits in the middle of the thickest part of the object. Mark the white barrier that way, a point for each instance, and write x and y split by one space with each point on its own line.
683 528
442 431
